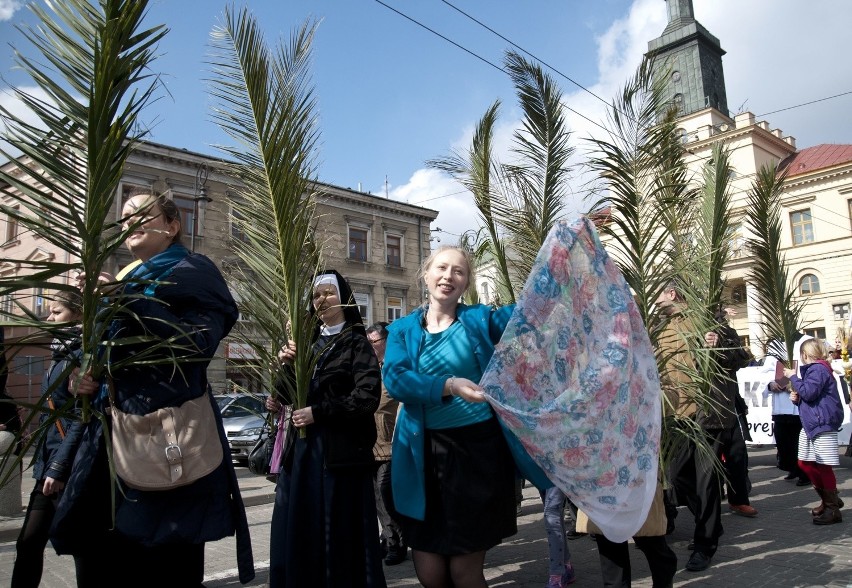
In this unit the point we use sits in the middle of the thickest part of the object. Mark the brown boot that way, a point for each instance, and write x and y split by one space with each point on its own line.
818 510
831 513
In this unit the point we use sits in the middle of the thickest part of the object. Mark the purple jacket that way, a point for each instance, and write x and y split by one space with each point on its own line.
819 402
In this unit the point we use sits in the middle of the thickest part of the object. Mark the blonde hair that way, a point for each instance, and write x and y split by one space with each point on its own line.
812 349
468 258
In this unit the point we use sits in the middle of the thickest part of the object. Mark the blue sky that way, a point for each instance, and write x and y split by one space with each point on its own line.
392 95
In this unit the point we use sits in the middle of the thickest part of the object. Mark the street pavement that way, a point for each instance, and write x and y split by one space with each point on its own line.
780 548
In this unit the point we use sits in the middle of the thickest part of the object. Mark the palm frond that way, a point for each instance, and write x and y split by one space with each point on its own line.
94 70
266 105
649 224
474 171
713 234
634 165
534 186
775 300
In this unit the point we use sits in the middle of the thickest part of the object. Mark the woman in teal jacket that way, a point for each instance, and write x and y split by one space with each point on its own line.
453 473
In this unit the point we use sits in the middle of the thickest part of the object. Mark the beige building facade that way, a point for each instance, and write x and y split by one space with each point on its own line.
816 218
376 243
815 205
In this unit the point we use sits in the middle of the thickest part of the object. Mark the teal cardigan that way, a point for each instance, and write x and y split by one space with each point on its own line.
484 327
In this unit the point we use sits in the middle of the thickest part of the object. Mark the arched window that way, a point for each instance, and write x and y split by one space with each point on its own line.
809 284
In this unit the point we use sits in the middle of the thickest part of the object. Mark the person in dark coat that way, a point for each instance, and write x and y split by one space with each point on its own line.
55 449
393 543
696 482
158 537
324 526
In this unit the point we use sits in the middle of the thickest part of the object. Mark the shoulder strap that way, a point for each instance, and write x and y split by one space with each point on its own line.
58 423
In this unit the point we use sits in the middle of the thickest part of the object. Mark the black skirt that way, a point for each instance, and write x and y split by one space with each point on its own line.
324 528
470 491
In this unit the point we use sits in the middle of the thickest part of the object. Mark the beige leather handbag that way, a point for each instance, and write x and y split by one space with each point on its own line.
167 448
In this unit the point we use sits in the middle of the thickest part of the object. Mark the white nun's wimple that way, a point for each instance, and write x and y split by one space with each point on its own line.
327 279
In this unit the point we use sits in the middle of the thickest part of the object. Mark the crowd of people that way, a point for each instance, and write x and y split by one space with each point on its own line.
396 448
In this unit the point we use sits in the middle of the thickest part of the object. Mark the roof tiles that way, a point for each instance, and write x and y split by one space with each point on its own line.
817 157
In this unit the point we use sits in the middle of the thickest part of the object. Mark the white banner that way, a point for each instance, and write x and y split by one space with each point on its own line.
753 382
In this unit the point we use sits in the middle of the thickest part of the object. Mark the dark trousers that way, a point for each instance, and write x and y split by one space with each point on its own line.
29 560
698 485
128 564
615 561
391 532
733 447
786 429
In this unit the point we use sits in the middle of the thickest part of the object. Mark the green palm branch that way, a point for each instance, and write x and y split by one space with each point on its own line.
535 184
519 202
775 299
636 163
266 104
649 222
714 226
474 171
63 179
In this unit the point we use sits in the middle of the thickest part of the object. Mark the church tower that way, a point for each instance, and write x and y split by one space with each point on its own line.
692 59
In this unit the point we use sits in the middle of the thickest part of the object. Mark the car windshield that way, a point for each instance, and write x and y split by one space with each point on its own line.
235 410
242 405
222 400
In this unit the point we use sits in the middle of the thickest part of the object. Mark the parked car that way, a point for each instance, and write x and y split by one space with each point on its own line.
244 416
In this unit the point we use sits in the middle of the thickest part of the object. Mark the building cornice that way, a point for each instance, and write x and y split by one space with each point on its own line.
821 176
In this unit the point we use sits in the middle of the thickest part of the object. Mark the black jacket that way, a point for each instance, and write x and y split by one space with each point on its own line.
195 305
343 396
724 391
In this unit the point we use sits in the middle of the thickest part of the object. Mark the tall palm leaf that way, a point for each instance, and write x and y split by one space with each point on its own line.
474 172
266 104
775 298
535 184
94 70
649 220
519 202
701 269
640 198
95 73
713 224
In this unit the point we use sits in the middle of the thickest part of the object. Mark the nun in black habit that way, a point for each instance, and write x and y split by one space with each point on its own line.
324 526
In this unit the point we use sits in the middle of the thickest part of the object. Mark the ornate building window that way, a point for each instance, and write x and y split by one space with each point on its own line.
738 294
39 303
394 308
358 243
393 246
809 284
362 300
237 222
802 226
736 242
11 227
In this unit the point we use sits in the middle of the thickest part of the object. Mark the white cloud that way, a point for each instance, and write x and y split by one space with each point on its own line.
8 8
18 109
432 189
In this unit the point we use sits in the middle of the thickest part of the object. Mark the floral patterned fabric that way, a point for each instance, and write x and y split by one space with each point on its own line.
575 381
